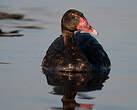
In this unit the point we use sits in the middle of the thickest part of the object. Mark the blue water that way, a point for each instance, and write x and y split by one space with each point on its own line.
22 84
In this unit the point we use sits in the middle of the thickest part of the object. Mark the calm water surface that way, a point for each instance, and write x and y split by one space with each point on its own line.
22 84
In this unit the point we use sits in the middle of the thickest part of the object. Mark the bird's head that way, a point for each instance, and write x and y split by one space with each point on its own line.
74 20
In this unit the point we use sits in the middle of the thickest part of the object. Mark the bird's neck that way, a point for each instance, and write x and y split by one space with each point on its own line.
68 38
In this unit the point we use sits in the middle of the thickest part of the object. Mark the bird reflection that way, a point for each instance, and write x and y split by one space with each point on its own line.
68 84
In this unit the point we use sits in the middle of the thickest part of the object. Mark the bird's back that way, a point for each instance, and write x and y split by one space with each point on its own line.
94 52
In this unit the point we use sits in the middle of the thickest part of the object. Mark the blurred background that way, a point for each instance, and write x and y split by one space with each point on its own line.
22 83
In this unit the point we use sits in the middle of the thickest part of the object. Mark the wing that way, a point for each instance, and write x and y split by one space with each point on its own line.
94 52
55 51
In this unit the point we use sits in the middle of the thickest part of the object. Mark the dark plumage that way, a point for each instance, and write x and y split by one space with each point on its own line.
76 52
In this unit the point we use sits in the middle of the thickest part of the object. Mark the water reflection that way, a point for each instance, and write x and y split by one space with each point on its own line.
68 84
14 33
73 106
30 27
16 21
4 15
4 62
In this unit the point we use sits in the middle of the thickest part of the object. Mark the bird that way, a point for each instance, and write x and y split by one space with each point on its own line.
77 49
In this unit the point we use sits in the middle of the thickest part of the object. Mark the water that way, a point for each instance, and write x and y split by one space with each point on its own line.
22 84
